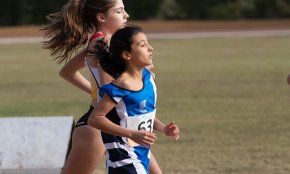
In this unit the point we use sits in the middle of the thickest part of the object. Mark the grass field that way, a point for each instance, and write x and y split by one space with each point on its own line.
229 96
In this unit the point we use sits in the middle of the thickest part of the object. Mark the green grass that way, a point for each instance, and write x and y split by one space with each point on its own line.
229 96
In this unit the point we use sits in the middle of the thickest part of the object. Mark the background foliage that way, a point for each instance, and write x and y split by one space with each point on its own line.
23 12
29 12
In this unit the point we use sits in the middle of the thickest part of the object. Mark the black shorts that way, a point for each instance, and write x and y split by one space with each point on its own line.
84 119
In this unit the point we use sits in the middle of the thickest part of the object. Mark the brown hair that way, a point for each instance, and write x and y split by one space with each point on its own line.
69 28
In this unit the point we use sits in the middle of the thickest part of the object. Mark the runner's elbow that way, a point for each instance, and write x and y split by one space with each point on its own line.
93 121
64 73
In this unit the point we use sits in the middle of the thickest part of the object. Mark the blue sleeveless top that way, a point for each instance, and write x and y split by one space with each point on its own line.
134 110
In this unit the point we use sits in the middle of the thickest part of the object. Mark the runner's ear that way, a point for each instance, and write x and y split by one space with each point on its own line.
126 55
100 17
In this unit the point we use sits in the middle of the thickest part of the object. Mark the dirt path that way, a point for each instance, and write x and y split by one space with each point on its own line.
177 35
172 30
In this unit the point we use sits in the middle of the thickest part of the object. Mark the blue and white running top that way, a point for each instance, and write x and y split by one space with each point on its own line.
134 110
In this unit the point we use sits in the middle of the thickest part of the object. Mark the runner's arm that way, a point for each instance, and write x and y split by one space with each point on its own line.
70 72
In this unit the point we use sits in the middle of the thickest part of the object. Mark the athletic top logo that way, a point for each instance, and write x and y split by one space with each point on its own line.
142 106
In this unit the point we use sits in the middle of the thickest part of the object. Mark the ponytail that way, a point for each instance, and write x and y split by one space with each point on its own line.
111 59
68 29
108 61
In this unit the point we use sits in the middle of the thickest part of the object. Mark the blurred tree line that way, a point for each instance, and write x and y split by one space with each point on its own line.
27 12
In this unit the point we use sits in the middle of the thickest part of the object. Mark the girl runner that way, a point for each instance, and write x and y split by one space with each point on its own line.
126 111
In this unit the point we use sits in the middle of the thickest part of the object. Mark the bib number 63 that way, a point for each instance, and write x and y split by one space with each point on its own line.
146 125
141 122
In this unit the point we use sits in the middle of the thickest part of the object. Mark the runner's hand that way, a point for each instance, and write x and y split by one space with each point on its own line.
144 138
171 130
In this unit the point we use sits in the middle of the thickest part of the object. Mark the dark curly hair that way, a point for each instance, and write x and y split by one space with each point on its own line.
110 58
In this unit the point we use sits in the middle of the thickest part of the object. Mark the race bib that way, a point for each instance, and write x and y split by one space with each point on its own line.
144 122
